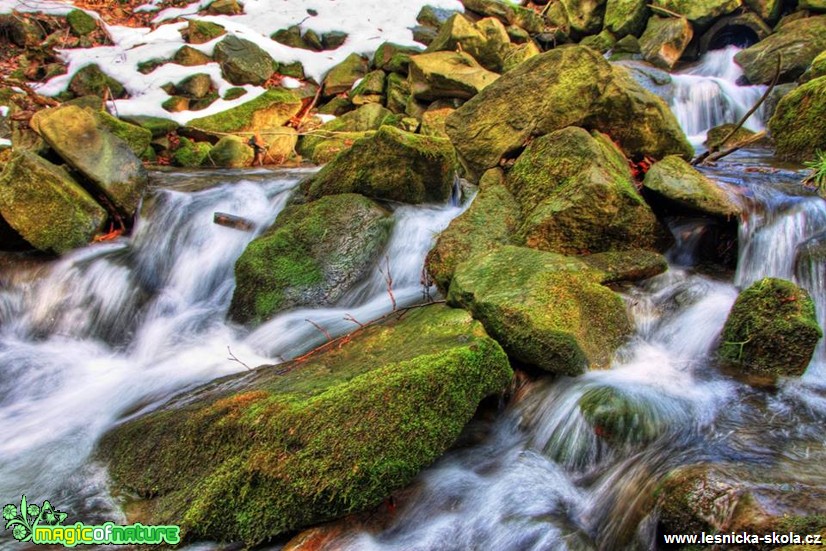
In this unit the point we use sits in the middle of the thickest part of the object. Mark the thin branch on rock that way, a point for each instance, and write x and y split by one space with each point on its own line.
320 329
234 358
388 279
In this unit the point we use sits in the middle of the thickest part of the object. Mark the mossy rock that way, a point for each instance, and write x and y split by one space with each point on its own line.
199 32
584 16
195 86
370 89
545 309
638 120
398 93
394 58
230 152
81 23
771 330
490 222
577 196
508 13
440 75
518 54
391 165
797 124
664 40
136 137
433 17
621 417
190 57
487 40
626 17
92 81
798 43
157 126
679 182
767 10
176 104
715 136
433 121
310 441
191 154
268 112
601 42
243 61
342 77
46 206
291 36
343 131
225 7
545 93
311 255
699 12
90 148
817 68
630 265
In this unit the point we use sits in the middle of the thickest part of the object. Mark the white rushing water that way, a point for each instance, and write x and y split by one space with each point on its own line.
707 95
115 329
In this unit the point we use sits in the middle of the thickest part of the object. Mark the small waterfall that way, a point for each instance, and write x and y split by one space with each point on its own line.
707 95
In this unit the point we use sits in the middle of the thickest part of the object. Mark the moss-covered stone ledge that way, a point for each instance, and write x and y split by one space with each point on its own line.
257 454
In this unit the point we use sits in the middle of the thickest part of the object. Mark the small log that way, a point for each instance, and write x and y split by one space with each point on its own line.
232 221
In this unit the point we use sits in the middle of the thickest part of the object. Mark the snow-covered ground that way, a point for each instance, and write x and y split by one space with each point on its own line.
368 23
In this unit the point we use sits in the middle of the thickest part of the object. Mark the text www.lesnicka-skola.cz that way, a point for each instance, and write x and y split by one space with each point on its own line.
741 538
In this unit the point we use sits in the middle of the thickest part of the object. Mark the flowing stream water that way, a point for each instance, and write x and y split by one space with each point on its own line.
112 330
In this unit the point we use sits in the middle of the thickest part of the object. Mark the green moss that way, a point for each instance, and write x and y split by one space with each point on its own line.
391 165
620 417
136 138
626 17
679 182
81 23
157 126
490 221
796 125
92 81
798 42
771 329
340 133
700 12
716 135
259 454
311 255
230 152
234 93
203 31
272 109
341 77
394 58
546 310
191 154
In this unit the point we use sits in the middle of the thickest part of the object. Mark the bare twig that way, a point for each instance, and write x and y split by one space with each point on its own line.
388 279
712 151
234 358
426 282
748 141
349 317
664 11
320 329
37 98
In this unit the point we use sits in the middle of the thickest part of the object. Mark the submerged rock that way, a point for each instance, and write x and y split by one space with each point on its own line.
490 222
771 330
311 256
577 196
46 206
310 441
797 124
679 182
545 309
392 165
103 158
621 417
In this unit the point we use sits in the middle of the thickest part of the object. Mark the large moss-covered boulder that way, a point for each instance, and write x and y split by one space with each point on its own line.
798 42
637 119
310 441
771 330
699 12
817 68
664 40
584 16
439 75
577 196
191 154
392 165
545 93
624 17
92 81
243 61
715 136
490 222
342 77
677 181
46 206
797 124
545 309
100 156
311 256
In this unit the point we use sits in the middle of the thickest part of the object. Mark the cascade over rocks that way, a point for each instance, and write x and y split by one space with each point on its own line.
311 440
562 87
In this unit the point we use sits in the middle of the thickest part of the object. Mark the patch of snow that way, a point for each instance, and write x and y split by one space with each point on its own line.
325 118
290 83
4 110
5 142
49 7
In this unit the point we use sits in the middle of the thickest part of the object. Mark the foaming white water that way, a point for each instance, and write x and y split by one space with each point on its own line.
707 95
